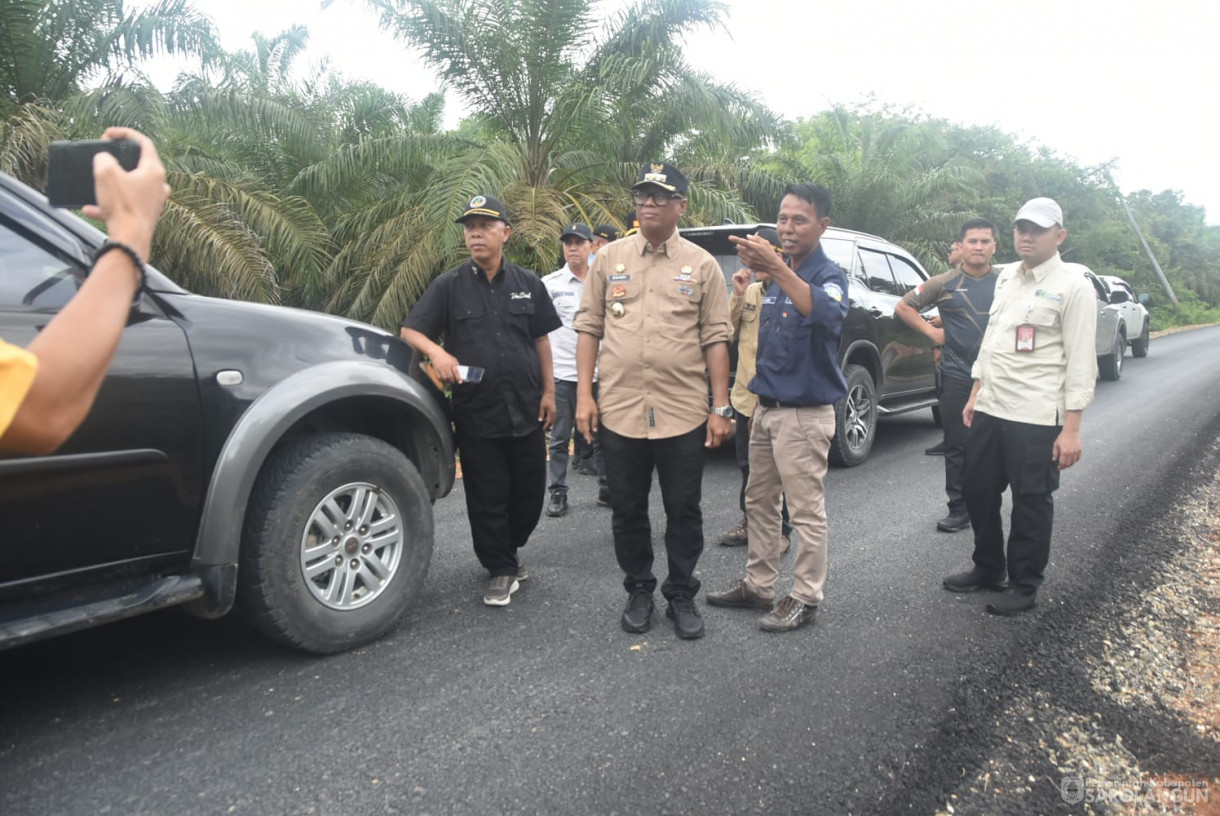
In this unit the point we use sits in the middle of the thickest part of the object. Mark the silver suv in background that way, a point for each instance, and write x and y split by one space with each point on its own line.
1112 329
1135 315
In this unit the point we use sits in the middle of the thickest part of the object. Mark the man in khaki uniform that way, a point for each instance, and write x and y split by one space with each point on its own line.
1033 378
658 305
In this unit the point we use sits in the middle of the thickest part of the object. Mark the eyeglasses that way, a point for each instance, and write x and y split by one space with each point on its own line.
659 199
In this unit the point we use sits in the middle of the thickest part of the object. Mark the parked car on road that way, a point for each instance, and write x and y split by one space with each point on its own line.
1134 312
888 366
279 461
1112 329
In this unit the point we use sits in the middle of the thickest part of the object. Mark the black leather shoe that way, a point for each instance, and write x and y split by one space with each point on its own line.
558 505
971 581
637 616
687 622
953 524
1011 602
603 497
936 450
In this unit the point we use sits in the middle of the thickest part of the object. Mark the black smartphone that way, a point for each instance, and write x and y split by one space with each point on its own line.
70 168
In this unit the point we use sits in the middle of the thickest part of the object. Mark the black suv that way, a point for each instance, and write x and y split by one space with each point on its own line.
278 460
887 365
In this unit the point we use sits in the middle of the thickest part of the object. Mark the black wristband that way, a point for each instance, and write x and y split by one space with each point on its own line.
131 253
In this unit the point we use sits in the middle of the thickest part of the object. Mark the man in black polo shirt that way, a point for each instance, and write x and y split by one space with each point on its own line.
797 380
493 315
963 296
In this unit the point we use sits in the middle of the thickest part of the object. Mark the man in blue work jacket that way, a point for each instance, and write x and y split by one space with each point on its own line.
797 381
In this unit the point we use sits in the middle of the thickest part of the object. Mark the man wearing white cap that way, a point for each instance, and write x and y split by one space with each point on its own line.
1033 378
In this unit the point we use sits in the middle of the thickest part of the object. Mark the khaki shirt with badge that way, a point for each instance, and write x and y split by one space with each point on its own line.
1039 356
743 312
654 311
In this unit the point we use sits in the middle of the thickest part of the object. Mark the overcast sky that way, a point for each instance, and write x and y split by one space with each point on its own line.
1094 80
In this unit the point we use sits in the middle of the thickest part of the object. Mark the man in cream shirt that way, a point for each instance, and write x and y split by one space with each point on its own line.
1033 378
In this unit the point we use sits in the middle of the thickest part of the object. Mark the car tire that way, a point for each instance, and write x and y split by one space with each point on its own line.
1139 346
325 596
1110 366
855 419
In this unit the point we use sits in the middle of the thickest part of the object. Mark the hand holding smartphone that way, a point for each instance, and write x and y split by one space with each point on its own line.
70 168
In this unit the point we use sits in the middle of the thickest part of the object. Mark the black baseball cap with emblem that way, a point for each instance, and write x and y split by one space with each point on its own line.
665 176
634 222
486 206
771 236
581 231
607 231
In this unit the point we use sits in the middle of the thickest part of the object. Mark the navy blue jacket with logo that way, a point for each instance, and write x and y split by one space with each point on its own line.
798 355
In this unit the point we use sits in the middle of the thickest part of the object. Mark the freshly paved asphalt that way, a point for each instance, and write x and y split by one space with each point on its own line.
546 706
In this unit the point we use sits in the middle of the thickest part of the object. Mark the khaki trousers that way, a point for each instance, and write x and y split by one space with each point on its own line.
788 449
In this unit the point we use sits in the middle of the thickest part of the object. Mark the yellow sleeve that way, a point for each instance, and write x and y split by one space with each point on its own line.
17 370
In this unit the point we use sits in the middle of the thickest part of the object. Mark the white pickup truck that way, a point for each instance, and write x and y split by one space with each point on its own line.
1112 328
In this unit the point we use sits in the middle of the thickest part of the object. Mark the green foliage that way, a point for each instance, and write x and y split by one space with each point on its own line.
337 195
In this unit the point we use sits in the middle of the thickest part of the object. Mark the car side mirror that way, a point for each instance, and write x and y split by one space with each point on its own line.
1119 296
1144 299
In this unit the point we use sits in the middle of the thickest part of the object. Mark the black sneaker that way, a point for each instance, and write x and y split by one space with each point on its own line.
953 523
971 581
603 496
558 505
1011 602
937 450
687 622
637 615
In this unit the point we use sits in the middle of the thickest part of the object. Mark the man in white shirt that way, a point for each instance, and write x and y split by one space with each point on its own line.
1033 378
566 287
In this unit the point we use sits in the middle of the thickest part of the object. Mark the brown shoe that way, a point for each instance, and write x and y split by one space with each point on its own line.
787 615
740 596
735 537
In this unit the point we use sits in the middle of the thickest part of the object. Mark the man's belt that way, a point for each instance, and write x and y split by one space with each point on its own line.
767 402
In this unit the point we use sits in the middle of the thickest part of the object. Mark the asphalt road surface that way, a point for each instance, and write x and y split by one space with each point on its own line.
548 707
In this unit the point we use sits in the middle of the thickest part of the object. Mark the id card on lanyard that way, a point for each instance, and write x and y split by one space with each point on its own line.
1026 334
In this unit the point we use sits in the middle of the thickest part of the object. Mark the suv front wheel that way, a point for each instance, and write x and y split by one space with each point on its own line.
337 541
855 418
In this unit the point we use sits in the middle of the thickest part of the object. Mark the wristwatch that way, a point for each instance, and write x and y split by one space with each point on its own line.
725 411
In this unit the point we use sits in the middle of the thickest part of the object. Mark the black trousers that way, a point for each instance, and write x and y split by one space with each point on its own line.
954 394
678 461
741 445
505 482
1001 453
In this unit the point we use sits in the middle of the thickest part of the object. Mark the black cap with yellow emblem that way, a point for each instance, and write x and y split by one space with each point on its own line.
633 224
607 231
486 206
771 236
665 176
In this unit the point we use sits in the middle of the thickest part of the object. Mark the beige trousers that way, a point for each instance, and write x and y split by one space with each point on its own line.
788 448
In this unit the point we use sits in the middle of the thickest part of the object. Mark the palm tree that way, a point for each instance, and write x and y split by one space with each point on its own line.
50 50
565 108
888 176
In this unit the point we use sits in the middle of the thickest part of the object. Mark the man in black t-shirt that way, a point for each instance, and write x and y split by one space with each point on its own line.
495 316
963 295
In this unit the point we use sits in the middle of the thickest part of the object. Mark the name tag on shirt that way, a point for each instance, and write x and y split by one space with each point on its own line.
1025 337
768 301
619 278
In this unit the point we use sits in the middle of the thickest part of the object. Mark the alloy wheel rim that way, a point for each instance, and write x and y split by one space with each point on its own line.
859 407
352 546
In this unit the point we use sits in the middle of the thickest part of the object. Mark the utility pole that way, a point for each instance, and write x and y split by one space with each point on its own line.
1139 234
